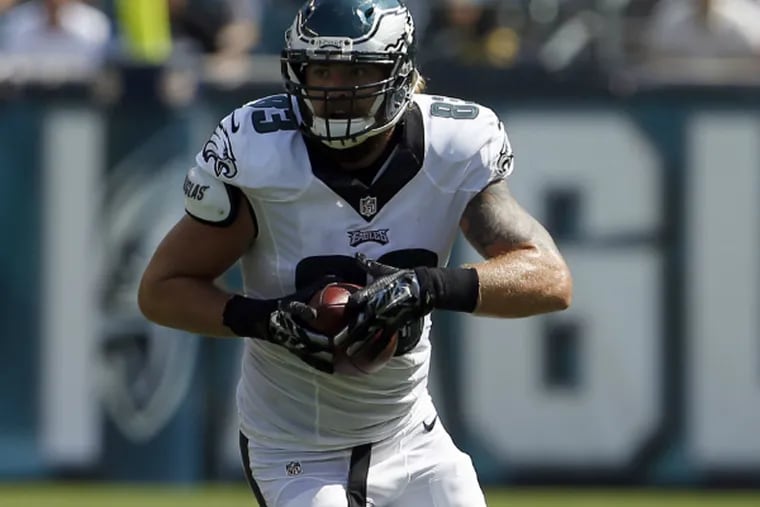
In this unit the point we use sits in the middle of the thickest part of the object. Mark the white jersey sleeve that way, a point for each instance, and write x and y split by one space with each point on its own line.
252 148
496 156
471 137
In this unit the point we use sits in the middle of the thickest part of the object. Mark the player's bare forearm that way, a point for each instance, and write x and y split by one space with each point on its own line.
177 288
190 304
523 273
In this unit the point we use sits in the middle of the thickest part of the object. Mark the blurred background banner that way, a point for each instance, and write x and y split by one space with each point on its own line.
639 151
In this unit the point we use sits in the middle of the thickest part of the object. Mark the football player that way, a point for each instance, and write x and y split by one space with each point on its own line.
352 174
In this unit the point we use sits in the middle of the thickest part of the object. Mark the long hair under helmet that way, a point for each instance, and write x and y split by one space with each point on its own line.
351 31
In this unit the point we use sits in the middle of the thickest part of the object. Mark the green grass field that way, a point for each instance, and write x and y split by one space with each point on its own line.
78 495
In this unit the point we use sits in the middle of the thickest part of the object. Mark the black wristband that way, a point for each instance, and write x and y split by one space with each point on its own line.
455 289
247 316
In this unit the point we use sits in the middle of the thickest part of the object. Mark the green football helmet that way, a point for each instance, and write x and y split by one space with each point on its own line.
351 31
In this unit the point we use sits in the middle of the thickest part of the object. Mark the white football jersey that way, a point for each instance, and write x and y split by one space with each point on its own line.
312 218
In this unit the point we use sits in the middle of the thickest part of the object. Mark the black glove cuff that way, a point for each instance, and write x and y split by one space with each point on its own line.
455 289
247 316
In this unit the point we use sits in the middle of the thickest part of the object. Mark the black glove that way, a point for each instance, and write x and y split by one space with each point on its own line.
393 299
283 322
398 296
288 327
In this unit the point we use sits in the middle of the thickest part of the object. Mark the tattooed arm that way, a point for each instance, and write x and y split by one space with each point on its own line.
523 273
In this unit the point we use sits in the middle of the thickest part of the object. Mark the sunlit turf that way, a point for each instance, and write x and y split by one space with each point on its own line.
91 495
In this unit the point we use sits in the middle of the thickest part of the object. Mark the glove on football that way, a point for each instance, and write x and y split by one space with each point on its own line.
394 298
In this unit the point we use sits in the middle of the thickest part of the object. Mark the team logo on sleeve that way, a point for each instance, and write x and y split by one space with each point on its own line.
503 164
218 150
367 206
375 235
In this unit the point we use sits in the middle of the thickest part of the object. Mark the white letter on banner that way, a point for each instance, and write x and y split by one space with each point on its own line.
615 406
723 292
70 422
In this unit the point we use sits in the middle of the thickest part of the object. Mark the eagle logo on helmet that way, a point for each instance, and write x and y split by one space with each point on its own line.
352 31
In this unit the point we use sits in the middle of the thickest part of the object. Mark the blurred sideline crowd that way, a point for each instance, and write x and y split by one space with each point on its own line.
711 38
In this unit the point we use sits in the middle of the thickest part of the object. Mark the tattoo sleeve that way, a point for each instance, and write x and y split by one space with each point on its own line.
524 273
494 223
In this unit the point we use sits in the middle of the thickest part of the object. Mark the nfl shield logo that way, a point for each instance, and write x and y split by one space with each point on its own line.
293 468
368 206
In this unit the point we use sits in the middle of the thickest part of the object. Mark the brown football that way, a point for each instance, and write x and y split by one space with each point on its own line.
371 354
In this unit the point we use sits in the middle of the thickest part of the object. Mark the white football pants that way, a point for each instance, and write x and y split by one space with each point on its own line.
415 468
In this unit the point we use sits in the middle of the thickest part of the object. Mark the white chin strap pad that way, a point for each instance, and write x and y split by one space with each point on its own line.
339 128
346 137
